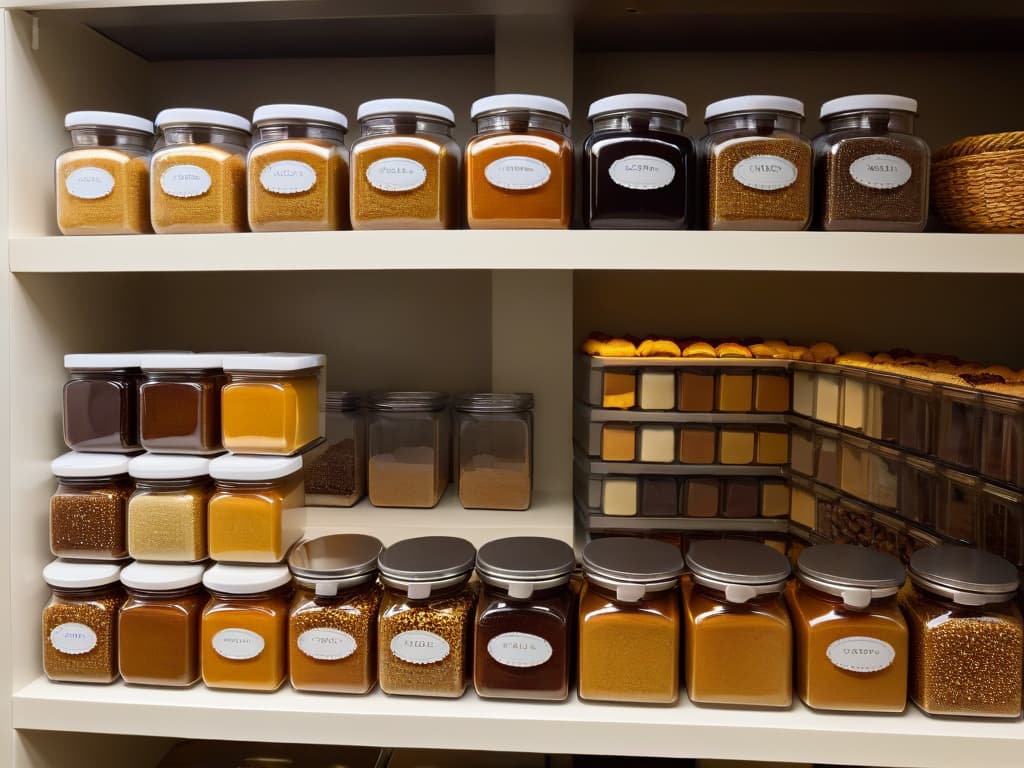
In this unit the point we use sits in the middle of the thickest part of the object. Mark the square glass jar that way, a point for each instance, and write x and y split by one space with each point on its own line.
179 403
409 447
101 402
335 470
494 438
89 508
167 511
959 439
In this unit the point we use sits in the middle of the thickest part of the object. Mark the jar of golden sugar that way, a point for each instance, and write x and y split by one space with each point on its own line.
102 179
297 169
198 177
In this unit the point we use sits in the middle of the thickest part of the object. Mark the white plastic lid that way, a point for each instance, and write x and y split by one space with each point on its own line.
66 574
246 579
193 116
275 112
518 101
274 362
754 104
108 120
159 577
77 464
864 101
180 361
158 466
621 102
238 467
103 361
377 107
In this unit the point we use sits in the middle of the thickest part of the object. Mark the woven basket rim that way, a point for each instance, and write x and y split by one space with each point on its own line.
984 144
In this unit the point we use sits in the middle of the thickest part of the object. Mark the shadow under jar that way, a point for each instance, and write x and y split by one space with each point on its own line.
409 439
871 171
179 403
332 627
639 164
425 625
89 508
524 621
101 402
494 435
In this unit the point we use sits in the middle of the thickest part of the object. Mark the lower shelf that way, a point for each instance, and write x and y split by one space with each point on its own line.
911 740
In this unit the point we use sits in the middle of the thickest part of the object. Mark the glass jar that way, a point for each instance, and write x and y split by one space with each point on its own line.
102 179
332 627
244 634
629 621
101 402
851 638
89 509
255 513
273 403
739 639
640 164
494 434
523 638
966 631
336 469
80 621
871 171
179 403
519 165
167 512
297 169
405 166
757 165
158 628
425 629
198 179
409 448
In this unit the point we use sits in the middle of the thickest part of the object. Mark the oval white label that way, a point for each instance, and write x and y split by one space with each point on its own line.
238 644
642 172
861 654
288 177
327 644
765 172
396 174
880 171
185 181
73 638
419 647
517 173
519 649
89 183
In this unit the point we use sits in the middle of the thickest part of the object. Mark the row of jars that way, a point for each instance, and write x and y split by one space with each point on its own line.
426 629
208 171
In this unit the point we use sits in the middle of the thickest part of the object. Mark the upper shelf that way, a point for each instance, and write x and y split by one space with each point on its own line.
525 249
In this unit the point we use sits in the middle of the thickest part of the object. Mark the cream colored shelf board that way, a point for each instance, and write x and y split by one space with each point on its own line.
525 249
911 740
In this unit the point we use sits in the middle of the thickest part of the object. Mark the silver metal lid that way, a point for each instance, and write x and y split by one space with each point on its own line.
342 401
966 576
742 570
632 567
523 565
856 574
332 563
408 401
494 402
421 565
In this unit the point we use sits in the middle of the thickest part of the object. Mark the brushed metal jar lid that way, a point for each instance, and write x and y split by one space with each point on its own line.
329 564
856 574
523 565
632 567
964 575
742 570
421 565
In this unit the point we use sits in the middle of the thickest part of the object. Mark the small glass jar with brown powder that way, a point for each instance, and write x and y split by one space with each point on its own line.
179 403
409 437
336 469
89 509
494 434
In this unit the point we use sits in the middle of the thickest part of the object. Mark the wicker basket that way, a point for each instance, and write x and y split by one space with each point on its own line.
978 183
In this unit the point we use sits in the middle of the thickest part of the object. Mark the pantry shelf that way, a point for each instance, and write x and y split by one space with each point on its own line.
524 249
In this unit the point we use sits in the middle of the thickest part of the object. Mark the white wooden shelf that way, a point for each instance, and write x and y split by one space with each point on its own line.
525 249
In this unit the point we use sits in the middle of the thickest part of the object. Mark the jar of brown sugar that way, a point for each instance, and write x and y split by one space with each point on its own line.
297 169
103 177
494 434
757 165
198 176
519 166
335 471
405 166
871 171
179 403
89 509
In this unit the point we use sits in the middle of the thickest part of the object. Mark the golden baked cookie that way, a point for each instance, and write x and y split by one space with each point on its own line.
658 348
592 346
731 349
763 351
1008 374
824 352
617 348
699 349
853 358
798 353
882 358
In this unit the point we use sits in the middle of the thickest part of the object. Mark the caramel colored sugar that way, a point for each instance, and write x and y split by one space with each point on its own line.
125 211
98 613
322 207
220 209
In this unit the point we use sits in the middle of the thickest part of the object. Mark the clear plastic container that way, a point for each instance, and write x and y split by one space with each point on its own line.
158 628
409 446
167 512
920 491
179 403
519 166
756 164
494 439
101 402
102 179
89 508
297 169
871 170
197 183
640 165
919 415
959 513
336 469
1002 514
1002 439
629 621
883 412
255 513
959 440
855 402
968 640
405 166
884 484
